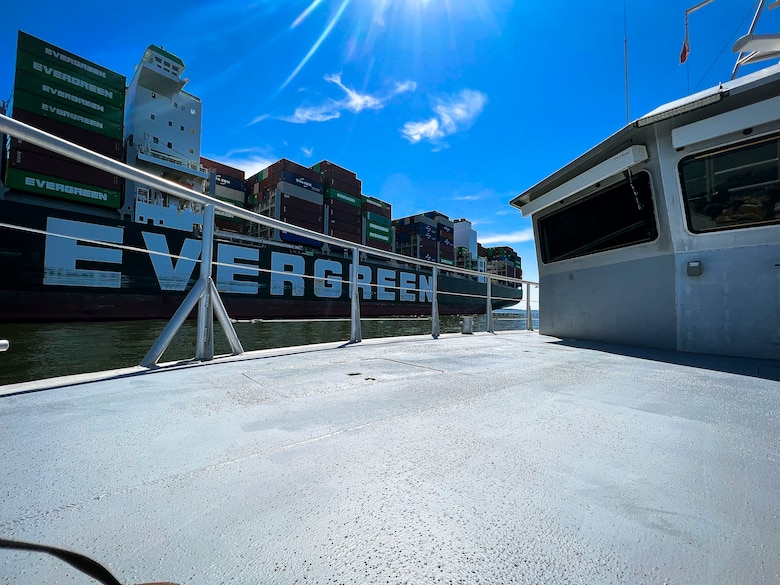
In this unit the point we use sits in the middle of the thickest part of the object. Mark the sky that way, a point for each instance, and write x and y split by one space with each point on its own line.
449 105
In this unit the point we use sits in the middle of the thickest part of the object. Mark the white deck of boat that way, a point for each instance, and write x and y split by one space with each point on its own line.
509 458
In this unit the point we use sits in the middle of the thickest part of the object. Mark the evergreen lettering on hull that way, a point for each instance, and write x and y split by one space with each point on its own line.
239 269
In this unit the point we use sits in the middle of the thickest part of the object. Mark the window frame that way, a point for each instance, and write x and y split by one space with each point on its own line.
616 182
724 149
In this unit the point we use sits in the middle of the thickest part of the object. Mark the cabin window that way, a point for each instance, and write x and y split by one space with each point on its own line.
617 216
733 187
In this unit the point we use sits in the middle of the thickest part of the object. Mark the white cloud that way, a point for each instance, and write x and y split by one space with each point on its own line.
404 87
259 119
249 160
482 194
453 114
416 131
307 152
354 102
526 235
321 113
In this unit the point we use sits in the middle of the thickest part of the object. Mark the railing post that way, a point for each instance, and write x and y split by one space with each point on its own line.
529 321
204 288
489 308
204 344
435 330
355 335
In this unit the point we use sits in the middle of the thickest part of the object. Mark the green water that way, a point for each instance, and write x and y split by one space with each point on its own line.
47 350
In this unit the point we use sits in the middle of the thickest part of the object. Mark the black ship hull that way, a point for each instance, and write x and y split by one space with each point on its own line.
71 276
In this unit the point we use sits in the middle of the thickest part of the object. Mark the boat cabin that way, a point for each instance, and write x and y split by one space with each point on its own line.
667 234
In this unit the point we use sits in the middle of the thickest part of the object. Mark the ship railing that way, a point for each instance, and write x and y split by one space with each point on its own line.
204 294
149 150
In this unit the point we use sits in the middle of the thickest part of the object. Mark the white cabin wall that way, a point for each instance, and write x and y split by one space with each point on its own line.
621 296
733 307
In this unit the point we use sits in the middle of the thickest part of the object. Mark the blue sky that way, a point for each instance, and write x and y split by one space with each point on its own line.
453 105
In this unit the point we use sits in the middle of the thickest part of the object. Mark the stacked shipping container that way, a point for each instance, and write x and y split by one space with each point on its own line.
343 202
429 236
73 98
377 217
288 192
504 261
227 185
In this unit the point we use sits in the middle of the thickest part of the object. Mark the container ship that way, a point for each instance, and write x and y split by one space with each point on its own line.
83 244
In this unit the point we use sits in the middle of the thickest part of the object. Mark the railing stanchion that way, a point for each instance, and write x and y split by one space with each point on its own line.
204 344
529 321
205 295
355 335
179 317
224 320
489 307
435 330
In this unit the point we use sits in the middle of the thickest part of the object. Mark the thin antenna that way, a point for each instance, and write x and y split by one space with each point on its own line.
625 57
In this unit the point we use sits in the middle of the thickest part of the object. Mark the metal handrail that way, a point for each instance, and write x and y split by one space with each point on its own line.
104 163
204 291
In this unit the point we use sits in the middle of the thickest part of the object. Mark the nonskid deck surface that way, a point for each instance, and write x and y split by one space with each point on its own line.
486 458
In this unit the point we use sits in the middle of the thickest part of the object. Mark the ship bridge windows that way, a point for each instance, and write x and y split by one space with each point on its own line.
733 187
617 216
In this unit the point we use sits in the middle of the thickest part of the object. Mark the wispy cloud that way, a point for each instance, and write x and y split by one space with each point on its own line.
259 119
452 114
249 160
516 237
307 152
479 195
354 102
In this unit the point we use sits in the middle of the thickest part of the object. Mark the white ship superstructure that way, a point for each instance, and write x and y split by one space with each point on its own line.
163 130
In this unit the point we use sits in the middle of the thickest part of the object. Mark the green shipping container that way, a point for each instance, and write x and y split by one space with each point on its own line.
41 87
380 237
377 227
375 201
72 81
375 217
340 196
64 189
66 60
63 113
447 261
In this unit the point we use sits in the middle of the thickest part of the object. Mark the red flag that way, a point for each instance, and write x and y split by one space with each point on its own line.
686 45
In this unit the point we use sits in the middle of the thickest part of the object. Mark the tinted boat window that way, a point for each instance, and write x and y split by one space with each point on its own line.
732 188
619 216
